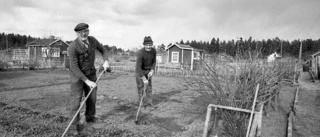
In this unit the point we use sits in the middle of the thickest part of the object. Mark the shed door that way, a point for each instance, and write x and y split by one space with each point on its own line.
66 61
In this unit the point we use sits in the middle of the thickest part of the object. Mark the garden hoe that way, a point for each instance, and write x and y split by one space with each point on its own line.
85 99
141 102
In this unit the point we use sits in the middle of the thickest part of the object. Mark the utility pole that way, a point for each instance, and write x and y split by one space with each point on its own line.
281 48
7 41
300 53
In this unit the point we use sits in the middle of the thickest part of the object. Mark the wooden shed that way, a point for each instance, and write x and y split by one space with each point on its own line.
49 52
315 64
184 55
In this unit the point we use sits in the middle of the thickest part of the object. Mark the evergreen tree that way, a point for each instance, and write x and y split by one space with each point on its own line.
161 48
181 42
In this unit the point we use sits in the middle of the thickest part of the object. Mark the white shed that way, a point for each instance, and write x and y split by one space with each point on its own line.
273 56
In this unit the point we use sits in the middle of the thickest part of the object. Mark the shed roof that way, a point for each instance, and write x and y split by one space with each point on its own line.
274 54
315 54
43 42
183 46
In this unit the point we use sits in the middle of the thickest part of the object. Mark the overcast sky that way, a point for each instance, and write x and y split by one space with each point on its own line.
124 23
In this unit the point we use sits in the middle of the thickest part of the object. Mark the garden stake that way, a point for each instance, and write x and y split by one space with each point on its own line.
206 124
85 99
215 121
141 100
253 107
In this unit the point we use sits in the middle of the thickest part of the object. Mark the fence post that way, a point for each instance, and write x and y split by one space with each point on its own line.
253 129
294 74
289 134
253 108
205 131
260 121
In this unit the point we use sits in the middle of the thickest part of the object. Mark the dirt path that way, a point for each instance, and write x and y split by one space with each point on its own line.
307 118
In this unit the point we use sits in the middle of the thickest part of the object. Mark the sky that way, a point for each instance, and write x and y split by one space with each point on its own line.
124 23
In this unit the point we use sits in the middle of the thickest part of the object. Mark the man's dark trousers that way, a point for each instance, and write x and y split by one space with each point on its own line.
78 87
140 87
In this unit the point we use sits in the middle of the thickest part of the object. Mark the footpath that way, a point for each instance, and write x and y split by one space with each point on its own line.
306 121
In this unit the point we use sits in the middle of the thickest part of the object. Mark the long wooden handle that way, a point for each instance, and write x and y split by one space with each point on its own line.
85 99
144 94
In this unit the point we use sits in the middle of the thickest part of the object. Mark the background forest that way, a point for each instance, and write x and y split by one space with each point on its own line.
215 46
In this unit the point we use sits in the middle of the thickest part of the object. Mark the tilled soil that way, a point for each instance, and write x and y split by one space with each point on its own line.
37 103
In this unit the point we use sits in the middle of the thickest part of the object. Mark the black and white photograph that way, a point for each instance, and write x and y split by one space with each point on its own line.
159 68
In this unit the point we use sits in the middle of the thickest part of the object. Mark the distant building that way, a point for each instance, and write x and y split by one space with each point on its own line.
315 64
49 51
161 58
184 56
272 57
225 57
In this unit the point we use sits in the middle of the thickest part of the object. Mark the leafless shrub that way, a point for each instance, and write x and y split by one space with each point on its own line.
233 84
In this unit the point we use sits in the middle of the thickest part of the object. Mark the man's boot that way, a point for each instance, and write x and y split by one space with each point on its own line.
75 129
149 103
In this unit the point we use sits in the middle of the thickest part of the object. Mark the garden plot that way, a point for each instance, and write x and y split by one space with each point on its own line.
36 103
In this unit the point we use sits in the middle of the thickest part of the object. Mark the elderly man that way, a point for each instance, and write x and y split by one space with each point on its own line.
83 72
145 66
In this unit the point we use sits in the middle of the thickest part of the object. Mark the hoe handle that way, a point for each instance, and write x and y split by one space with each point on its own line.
144 94
85 99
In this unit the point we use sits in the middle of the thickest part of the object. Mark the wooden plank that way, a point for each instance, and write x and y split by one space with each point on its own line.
259 125
230 108
252 111
206 124
296 99
253 129
290 118
215 122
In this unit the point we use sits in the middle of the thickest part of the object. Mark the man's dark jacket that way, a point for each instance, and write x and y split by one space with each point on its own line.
146 61
82 58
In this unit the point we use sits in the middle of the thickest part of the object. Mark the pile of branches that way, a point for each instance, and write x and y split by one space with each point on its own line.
234 84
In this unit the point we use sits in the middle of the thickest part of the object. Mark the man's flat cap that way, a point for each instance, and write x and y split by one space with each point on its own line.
147 40
81 26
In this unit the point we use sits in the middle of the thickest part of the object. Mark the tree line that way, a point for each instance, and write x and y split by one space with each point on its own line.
245 47
13 41
258 48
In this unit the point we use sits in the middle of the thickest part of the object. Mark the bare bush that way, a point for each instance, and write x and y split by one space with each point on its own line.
32 65
233 84
2 65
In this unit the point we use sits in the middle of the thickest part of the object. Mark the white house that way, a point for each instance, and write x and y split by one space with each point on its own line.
273 56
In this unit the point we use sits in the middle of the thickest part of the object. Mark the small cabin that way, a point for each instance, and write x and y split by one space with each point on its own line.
48 52
184 56
272 57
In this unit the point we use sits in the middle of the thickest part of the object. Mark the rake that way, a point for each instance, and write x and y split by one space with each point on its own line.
141 100
85 99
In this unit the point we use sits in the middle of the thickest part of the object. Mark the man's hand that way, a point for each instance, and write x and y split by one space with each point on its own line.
145 81
90 83
105 65
150 74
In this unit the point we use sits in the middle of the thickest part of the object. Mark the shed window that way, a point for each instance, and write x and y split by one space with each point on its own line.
175 57
196 55
55 52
